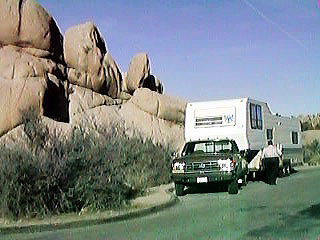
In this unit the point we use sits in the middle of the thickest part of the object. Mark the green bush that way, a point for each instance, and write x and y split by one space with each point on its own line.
312 152
87 170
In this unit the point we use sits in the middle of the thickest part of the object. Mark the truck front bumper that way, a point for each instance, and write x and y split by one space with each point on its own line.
190 178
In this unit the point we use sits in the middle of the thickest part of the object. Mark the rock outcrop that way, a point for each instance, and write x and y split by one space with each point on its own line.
113 76
158 105
26 24
77 81
28 82
84 50
83 99
139 70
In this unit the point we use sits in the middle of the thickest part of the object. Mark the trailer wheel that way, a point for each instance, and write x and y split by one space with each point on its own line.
179 189
233 187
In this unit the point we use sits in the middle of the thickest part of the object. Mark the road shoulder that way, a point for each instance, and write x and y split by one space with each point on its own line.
155 199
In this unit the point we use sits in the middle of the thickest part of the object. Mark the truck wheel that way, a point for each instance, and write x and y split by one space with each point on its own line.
179 189
233 187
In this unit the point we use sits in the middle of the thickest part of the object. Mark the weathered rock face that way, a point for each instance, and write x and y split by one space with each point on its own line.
95 82
83 99
147 114
84 47
28 82
158 105
84 50
146 125
16 97
139 70
113 76
15 63
134 123
26 24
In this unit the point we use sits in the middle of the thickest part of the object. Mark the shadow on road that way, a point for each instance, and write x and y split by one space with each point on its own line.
313 211
289 226
261 177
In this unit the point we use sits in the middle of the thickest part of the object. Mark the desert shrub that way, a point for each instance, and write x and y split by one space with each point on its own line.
312 152
306 126
85 171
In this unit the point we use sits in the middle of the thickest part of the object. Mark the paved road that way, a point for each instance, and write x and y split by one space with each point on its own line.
290 210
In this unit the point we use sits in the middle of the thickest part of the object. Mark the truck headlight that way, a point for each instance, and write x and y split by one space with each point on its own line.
178 167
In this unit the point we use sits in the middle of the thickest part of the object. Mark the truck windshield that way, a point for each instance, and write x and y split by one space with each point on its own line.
211 147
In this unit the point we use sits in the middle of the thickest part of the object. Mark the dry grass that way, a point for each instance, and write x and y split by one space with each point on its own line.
86 171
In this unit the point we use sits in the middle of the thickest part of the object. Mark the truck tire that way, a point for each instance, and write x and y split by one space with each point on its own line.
179 189
233 187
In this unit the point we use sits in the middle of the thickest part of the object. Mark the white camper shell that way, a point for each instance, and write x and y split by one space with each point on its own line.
250 123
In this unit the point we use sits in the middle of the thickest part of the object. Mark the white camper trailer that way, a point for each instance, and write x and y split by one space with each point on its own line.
249 123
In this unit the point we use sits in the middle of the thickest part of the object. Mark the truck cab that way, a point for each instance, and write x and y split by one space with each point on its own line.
207 161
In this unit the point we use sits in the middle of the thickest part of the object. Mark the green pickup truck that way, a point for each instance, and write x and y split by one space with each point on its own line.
209 161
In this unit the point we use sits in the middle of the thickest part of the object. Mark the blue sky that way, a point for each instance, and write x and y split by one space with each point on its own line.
268 50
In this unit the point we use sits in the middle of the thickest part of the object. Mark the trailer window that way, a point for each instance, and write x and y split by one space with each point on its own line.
294 137
255 116
259 117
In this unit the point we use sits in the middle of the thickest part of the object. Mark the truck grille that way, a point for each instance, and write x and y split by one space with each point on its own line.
202 166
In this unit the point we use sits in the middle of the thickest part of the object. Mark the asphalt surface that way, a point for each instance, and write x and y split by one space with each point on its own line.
289 210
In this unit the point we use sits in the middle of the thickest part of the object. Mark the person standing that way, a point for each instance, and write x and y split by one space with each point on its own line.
271 160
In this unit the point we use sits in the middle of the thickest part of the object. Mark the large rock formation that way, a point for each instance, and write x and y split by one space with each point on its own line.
113 76
133 122
83 99
139 70
147 114
84 50
81 84
28 82
158 105
26 24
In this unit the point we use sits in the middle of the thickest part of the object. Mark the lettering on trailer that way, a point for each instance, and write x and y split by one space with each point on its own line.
215 117
228 118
